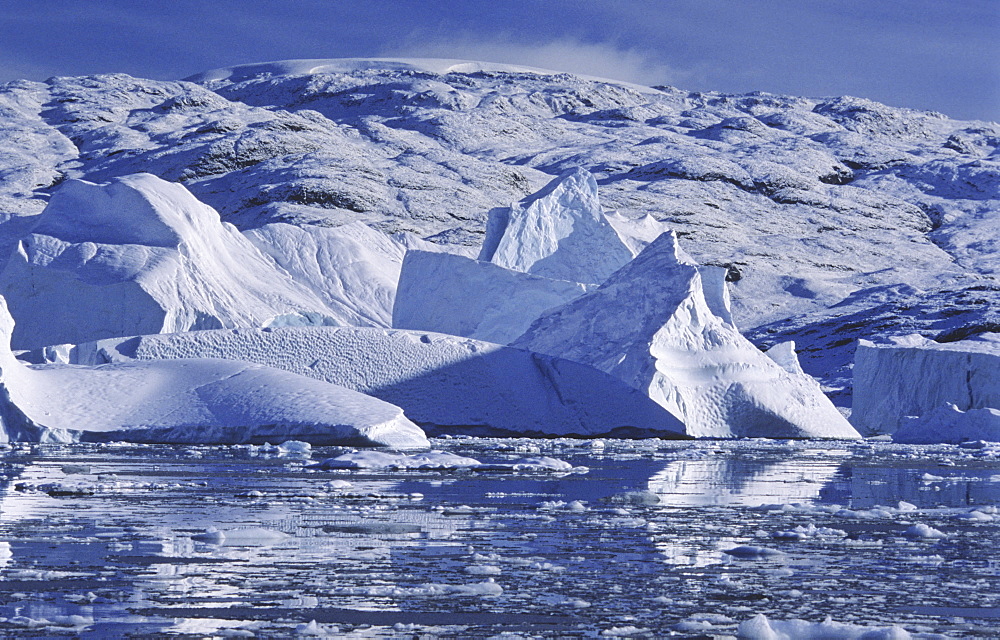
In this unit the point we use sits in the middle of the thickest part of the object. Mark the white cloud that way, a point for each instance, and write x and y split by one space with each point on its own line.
592 59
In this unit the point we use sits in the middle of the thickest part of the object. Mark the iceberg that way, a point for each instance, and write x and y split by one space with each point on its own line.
352 268
453 294
140 255
559 233
195 401
915 376
454 385
651 326
541 253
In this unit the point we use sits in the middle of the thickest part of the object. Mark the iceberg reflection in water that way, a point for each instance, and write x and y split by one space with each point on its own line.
657 536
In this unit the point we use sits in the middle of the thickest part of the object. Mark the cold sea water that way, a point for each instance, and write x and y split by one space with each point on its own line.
647 538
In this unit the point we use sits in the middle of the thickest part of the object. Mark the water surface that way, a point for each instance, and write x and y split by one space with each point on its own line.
639 538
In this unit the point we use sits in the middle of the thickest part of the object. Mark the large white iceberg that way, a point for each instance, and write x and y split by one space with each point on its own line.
457 384
140 255
452 294
651 326
352 268
538 254
915 376
200 401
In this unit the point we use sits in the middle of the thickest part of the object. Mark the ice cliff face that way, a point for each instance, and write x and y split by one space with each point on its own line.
352 268
914 376
457 295
650 325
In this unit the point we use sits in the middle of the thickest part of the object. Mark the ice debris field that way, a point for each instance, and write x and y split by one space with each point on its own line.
379 254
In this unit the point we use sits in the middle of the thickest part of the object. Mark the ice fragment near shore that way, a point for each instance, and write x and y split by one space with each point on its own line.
950 424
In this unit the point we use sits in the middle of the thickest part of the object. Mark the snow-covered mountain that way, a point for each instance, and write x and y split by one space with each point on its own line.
836 218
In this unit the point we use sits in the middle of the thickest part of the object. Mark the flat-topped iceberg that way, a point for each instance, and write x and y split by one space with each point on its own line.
916 376
651 326
196 401
140 255
456 385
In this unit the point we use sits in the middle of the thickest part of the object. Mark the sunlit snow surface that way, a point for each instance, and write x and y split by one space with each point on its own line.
641 538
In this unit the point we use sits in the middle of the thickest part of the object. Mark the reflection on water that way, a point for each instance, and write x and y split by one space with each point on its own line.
732 481
172 540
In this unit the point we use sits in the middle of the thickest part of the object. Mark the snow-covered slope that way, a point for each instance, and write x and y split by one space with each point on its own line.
836 218
914 376
138 254
457 384
199 401
650 325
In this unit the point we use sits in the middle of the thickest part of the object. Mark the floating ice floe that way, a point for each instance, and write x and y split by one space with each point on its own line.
457 384
651 325
751 552
241 537
440 460
915 376
140 255
761 628
196 401
386 460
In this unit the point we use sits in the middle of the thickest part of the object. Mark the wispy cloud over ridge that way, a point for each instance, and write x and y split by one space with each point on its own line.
600 59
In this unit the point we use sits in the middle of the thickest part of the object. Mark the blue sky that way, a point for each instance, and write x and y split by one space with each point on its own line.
942 55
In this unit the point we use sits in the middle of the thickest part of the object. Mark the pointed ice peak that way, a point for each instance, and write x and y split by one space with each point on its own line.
575 188
575 191
716 289
636 233
659 256
558 232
